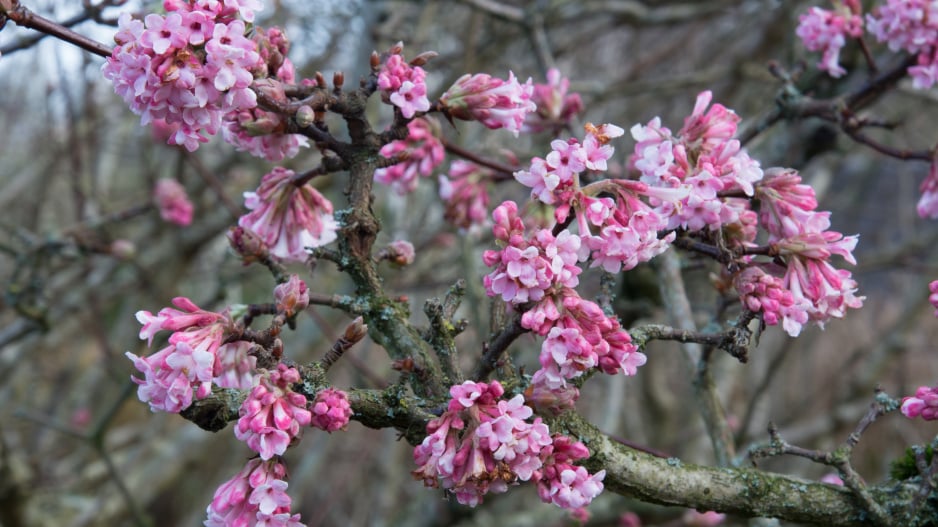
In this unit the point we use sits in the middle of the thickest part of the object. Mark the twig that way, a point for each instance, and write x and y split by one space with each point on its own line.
494 348
22 16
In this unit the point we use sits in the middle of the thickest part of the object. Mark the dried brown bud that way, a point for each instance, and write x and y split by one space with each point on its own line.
276 349
355 331
375 60
423 58
338 79
406 364
320 80
396 49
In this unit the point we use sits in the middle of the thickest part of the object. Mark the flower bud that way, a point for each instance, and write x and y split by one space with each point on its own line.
305 116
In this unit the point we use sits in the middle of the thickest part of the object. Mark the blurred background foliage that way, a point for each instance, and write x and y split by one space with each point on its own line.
81 250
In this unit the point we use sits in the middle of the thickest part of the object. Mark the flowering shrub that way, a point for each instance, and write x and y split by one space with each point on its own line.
773 259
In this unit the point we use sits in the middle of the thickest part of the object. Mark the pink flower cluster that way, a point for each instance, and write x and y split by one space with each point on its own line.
331 410
555 106
195 356
762 289
579 337
912 26
561 482
924 403
695 518
805 245
827 31
188 68
482 443
273 414
626 227
526 271
494 102
465 195
703 160
403 85
288 218
173 202
256 496
418 155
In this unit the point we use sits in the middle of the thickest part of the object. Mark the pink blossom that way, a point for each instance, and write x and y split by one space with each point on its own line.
910 25
481 443
273 414
159 72
173 202
403 85
287 217
547 396
400 252
560 482
169 376
526 269
761 290
331 410
255 496
494 102
555 106
234 366
827 31
259 132
291 296
787 205
924 403
465 194
832 478
419 154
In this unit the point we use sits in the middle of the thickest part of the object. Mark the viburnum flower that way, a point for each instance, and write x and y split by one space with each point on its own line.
555 106
169 376
910 25
273 414
188 68
464 191
288 218
173 202
403 85
832 478
526 269
421 151
259 132
702 159
560 482
291 296
254 496
331 410
234 366
481 443
494 102
827 31
195 357
924 403
762 290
